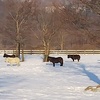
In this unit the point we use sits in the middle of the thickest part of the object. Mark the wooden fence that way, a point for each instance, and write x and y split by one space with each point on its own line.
53 51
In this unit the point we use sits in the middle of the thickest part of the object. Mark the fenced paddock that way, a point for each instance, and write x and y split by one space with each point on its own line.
53 51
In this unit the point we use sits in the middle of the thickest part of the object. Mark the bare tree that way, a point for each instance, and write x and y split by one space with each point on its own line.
19 14
81 22
44 26
48 24
94 5
92 20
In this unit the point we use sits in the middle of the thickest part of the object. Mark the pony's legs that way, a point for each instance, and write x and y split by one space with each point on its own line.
73 59
11 64
78 60
18 64
53 64
61 63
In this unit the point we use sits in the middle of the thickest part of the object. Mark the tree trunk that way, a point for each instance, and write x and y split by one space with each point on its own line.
18 50
46 52
22 53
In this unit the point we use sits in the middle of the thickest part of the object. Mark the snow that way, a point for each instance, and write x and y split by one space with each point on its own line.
38 80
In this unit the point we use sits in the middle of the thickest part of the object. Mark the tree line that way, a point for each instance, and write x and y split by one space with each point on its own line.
34 24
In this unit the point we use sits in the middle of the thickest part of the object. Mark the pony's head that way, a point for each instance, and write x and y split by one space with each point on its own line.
4 55
48 59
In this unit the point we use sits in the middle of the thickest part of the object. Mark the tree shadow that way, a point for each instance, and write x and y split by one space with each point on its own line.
91 75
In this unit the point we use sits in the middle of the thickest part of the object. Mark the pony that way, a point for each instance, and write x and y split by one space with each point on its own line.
6 55
74 57
55 60
15 60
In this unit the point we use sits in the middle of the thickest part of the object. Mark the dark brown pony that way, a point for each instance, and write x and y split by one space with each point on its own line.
55 60
74 57
6 55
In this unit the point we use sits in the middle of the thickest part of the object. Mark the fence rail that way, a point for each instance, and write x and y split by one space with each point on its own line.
53 51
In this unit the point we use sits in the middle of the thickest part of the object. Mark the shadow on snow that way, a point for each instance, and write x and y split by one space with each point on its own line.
91 75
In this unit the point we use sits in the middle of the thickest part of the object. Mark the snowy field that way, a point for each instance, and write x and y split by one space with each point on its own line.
37 80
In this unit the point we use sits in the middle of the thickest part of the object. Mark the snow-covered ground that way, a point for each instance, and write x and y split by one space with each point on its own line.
38 80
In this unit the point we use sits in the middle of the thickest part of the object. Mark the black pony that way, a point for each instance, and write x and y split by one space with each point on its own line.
55 60
74 57
6 55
